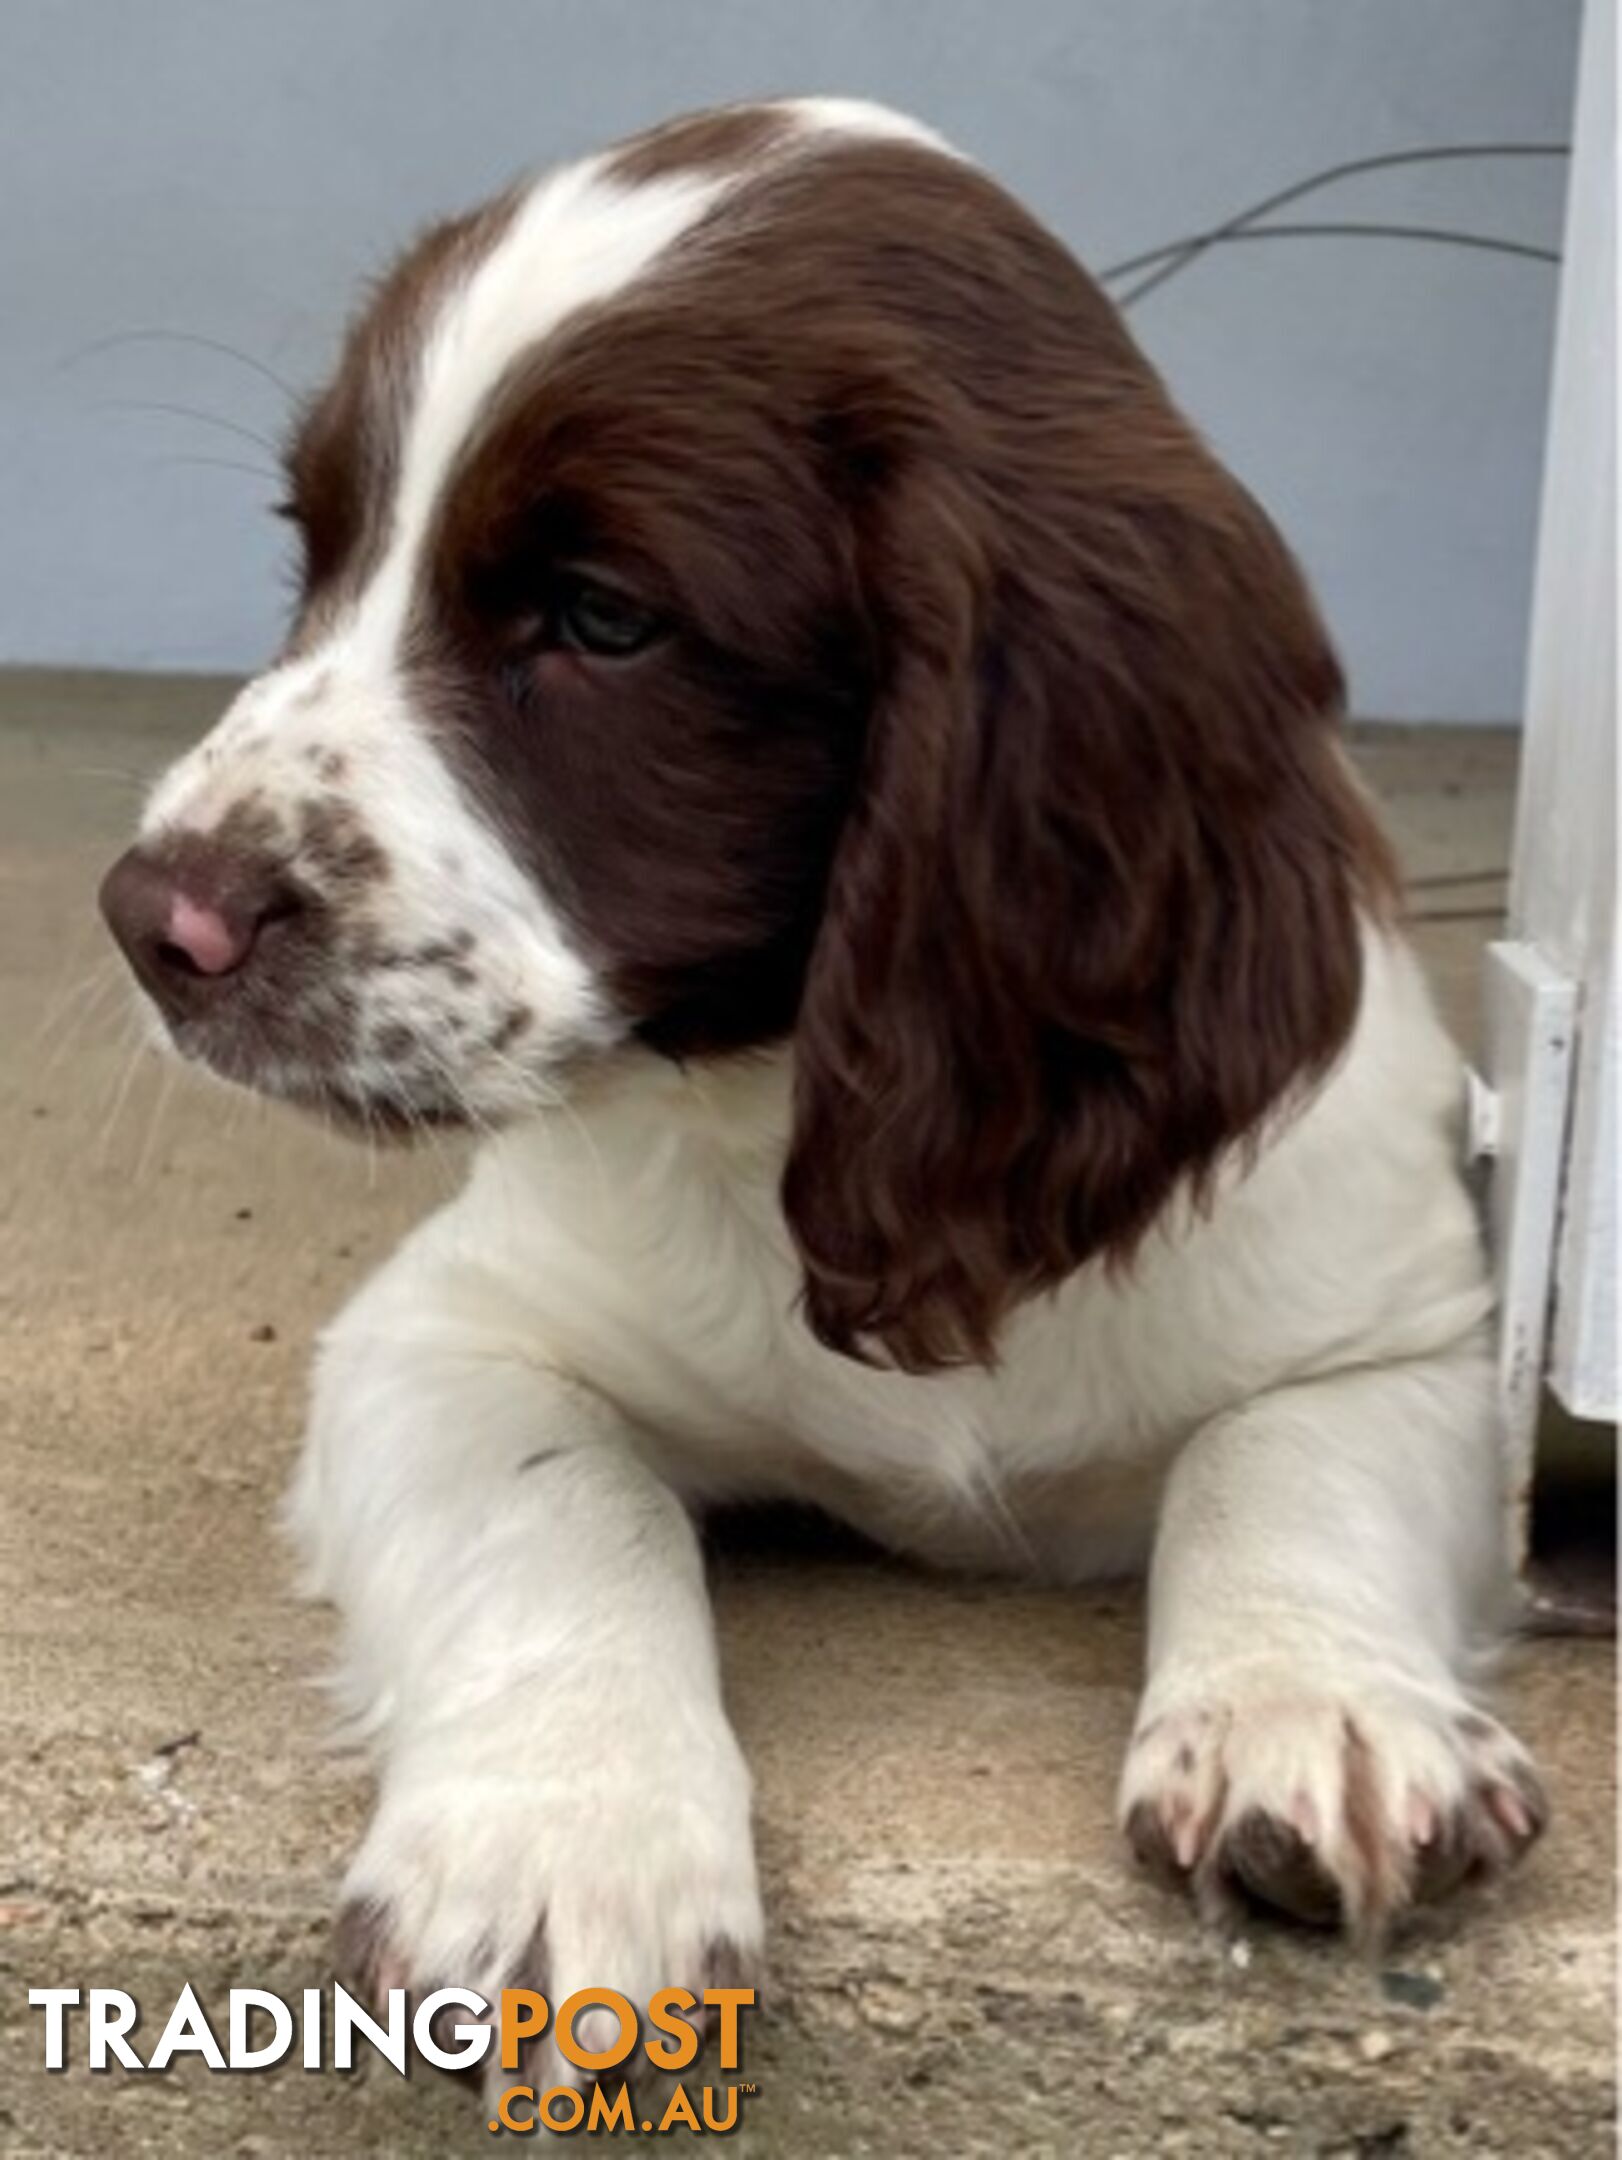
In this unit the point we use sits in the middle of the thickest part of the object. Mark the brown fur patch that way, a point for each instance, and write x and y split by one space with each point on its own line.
512 1024
732 136
989 744
443 952
339 847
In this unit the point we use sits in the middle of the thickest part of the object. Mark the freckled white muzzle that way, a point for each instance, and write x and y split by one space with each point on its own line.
318 911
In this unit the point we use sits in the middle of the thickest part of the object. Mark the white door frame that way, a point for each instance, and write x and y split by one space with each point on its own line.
1548 1110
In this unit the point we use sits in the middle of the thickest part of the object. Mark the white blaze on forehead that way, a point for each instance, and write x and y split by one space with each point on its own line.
858 116
577 239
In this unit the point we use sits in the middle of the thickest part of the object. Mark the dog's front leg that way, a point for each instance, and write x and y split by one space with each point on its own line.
528 1648
1328 1571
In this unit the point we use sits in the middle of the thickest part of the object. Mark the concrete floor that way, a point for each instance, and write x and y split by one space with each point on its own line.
964 1960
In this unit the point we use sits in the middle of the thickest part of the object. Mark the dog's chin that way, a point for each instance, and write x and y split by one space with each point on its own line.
378 1115
375 1111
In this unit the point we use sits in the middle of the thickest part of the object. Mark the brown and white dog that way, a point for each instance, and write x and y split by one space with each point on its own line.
789 732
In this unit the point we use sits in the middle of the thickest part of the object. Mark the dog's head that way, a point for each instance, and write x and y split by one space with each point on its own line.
752 585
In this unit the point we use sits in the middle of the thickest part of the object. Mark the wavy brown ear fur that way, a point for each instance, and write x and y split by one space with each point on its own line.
1096 911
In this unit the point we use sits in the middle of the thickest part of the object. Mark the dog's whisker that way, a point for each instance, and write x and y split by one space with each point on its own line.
163 408
140 1050
160 1105
217 464
125 776
122 339
75 1004
75 1028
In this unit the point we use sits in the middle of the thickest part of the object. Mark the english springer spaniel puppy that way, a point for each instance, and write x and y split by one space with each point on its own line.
790 736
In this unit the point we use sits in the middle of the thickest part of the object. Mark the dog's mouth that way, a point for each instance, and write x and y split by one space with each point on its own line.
297 1060
379 1113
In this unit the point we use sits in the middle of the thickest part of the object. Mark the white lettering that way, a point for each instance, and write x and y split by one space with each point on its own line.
475 2038
244 2055
348 2018
56 2003
112 2012
187 2033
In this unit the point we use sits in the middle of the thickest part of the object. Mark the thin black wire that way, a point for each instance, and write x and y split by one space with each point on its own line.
1469 914
1444 235
1439 878
1182 253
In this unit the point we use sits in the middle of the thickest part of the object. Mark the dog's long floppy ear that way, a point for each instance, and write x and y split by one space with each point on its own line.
1096 910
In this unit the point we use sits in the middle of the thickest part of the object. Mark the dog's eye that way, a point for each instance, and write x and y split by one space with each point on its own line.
592 618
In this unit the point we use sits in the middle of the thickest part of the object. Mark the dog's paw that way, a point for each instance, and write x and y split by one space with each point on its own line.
634 1876
1339 1805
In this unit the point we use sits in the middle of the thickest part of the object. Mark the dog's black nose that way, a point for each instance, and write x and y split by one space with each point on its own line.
191 919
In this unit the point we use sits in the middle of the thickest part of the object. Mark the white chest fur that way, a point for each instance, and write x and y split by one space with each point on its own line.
636 1243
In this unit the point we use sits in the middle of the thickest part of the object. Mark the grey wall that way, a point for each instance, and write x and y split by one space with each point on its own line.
228 167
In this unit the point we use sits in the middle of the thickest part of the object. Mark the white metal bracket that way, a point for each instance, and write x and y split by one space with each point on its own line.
1518 1115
